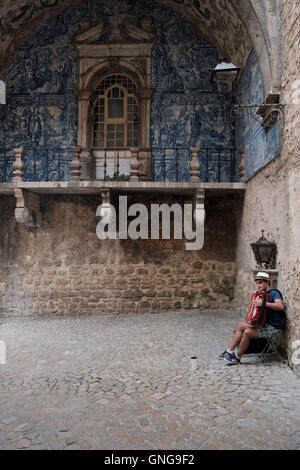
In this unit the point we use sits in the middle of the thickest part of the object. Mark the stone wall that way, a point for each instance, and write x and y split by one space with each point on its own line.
272 196
64 269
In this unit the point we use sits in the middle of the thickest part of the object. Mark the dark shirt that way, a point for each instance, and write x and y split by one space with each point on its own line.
275 317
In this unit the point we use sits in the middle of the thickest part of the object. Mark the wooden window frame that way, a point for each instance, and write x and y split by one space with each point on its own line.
131 93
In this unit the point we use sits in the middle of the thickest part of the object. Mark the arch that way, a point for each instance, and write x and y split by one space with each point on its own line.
262 21
257 23
97 71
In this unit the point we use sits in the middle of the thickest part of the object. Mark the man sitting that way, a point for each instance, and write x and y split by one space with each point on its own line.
245 331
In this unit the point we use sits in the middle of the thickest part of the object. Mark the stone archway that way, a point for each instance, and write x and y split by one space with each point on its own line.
234 29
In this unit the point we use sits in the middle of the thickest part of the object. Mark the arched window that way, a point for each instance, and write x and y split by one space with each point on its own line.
115 118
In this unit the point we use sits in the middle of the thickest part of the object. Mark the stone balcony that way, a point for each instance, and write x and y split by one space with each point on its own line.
166 165
194 172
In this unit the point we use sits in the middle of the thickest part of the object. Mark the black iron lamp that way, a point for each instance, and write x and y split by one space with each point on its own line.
264 252
224 72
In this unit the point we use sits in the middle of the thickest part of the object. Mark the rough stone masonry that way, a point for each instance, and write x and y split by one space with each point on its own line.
62 268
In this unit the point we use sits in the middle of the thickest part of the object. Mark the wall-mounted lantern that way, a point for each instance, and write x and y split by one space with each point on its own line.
264 252
224 72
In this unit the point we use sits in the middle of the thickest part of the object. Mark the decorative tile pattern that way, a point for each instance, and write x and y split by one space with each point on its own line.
260 146
219 17
186 109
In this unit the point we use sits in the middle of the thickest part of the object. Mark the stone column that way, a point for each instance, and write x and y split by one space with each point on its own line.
83 134
144 96
144 157
18 166
194 165
83 115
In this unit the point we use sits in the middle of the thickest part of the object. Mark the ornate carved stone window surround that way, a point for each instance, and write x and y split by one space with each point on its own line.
128 57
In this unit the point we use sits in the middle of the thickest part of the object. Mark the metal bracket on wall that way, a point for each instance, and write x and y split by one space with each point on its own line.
268 111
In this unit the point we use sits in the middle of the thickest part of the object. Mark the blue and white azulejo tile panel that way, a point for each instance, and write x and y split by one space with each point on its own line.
186 109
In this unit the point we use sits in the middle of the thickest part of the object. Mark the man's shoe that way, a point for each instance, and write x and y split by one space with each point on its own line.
232 359
223 355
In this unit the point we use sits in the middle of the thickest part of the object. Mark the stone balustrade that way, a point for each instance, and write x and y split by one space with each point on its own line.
133 164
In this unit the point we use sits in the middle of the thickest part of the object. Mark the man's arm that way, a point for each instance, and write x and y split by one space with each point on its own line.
277 305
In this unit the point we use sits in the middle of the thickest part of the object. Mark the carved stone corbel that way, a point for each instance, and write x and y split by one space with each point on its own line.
106 228
105 197
199 219
269 110
199 197
27 210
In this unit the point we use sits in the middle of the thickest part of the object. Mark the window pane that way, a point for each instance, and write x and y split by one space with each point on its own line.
115 108
110 107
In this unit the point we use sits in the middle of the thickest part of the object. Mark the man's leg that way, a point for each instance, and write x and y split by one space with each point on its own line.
237 337
248 333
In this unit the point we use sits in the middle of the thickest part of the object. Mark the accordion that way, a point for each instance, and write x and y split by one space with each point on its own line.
257 316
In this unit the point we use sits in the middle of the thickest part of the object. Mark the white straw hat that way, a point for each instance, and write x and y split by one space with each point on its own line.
263 276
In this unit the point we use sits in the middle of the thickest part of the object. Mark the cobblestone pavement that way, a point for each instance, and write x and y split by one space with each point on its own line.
125 382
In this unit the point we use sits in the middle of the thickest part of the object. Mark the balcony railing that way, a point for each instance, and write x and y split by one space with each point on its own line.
180 164
39 164
176 164
166 164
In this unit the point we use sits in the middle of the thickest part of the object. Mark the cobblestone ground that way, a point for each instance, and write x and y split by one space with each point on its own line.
125 382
